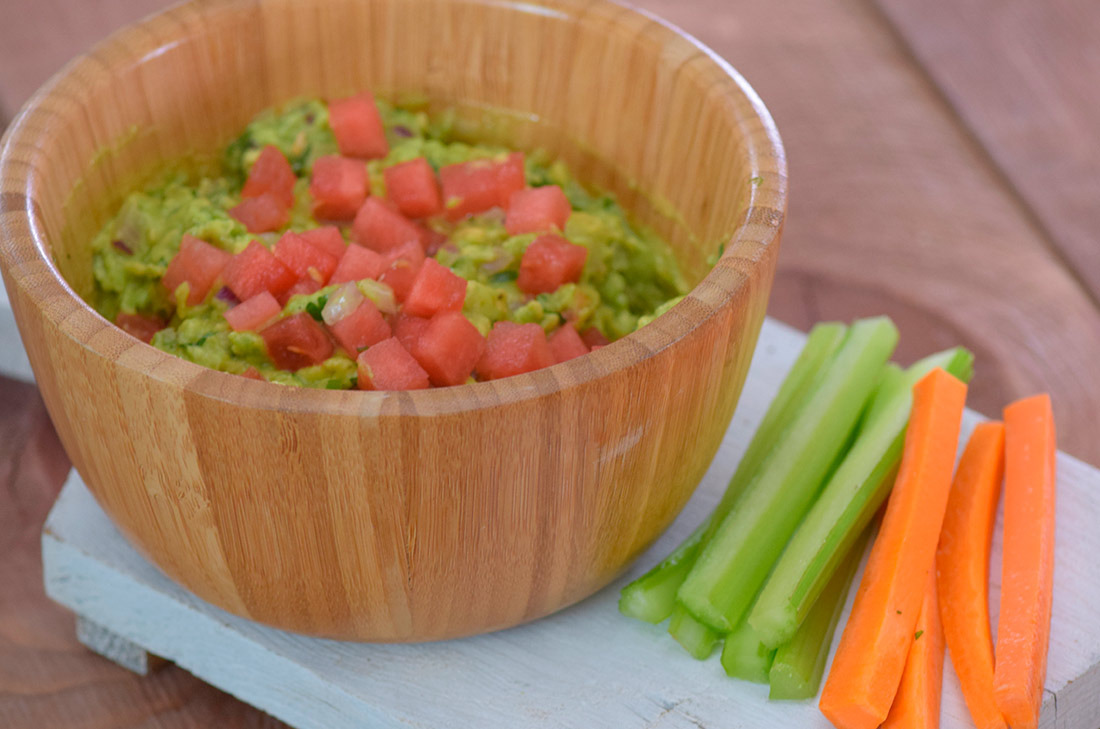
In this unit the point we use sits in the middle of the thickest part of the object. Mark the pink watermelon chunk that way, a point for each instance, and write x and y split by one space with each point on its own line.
413 188
387 366
199 264
254 313
436 288
360 329
513 349
565 343
449 348
537 210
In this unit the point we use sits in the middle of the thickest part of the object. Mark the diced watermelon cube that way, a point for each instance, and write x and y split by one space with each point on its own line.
436 288
253 374
305 259
302 286
593 337
399 277
338 186
511 177
413 188
327 238
513 349
408 330
296 342
253 314
402 265
271 174
360 329
263 214
255 269
537 210
478 185
549 262
357 264
139 326
381 228
449 348
410 252
358 127
565 343
388 366
199 264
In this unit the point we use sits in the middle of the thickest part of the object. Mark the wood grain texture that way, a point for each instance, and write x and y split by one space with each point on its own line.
895 210
47 678
810 73
1022 76
586 667
398 516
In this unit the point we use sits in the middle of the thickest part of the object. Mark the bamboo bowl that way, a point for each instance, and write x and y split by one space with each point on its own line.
399 516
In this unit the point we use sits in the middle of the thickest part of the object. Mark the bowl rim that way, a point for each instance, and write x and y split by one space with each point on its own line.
23 241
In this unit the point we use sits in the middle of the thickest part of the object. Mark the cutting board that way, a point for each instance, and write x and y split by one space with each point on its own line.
586 666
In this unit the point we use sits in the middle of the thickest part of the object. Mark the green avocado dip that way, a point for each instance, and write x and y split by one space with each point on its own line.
239 267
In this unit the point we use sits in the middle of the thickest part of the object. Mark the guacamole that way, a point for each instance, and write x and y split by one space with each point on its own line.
621 275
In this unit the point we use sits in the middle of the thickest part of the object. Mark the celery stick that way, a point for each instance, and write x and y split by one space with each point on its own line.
745 657
847 503
799 663
733 566
652 596
697 639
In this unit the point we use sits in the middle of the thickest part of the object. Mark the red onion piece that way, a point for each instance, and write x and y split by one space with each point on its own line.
226 294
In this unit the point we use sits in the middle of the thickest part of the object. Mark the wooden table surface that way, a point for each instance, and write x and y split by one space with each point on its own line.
943 171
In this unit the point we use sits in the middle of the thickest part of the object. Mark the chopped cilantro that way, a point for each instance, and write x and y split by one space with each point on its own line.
503 277
314 308
918 634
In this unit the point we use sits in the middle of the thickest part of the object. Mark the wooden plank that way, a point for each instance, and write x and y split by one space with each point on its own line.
895 210
586 666
111 645
1022 76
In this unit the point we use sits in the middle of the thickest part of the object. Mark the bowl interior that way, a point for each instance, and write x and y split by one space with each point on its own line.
629 105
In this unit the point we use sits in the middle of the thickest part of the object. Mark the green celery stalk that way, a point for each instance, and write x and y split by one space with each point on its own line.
799 663
847 502
745 657
734 564
652 596
697 639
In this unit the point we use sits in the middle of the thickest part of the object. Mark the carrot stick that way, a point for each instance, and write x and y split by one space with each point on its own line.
871 656
963 565
917 703
1027 574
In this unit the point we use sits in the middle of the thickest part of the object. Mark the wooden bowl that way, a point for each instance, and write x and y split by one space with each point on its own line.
397 516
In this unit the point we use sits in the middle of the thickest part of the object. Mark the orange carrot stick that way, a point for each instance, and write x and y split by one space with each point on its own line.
917 703
871 657
1027 575
963 565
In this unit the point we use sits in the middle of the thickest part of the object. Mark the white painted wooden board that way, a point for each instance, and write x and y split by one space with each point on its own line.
13 358
585 667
